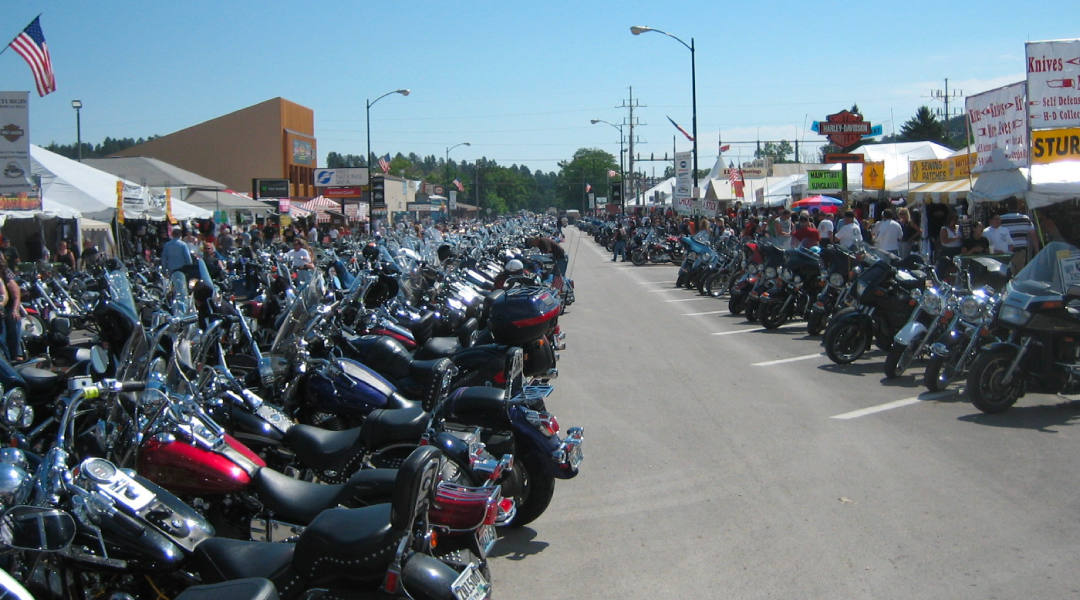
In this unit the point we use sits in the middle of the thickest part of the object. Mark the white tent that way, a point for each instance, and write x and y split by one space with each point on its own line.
662 192
897 159
86 190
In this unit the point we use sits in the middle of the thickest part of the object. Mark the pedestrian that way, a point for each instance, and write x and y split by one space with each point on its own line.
781 228
620 243
64 256
549 246
300 260
825 228
951 239
175 254
849 232
912 232
805 234
888 233
1000 239
1025 242
13 313
11 255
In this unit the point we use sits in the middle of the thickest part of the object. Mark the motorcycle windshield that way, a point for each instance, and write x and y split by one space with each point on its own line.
1055 270
299 314
120 291
135 359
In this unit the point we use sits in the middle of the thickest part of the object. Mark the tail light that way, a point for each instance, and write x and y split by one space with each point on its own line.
460 508
544 421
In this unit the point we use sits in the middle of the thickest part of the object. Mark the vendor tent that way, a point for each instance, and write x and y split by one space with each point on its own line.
89 191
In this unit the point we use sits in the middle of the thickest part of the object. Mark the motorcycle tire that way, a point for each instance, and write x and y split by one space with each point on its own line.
32 326
610 245
716 284
815 323
773 315
680 280
940 373
531 487
736 303
846 342
751 309
900 357
984 385
638 258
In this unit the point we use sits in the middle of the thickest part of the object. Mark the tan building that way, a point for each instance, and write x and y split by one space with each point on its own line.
271 140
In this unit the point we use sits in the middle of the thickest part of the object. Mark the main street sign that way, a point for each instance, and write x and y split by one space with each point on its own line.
844 128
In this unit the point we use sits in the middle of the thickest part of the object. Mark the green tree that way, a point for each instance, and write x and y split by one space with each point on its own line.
923 127
589 166
777 152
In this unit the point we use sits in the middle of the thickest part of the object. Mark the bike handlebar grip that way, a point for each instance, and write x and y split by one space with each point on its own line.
132 386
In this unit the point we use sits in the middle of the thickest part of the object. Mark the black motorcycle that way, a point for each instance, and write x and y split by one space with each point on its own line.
800 278
1041 353
841 267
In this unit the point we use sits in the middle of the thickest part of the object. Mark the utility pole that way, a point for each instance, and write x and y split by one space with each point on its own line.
631 105
945 96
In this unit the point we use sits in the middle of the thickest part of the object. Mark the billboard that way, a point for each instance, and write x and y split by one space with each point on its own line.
999 127
15 143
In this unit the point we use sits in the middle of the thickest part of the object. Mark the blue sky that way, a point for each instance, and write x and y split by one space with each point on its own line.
520 81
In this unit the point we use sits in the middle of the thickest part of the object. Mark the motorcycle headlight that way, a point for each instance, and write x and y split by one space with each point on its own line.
798 279
785 274
1014 315
931 302
770 272
970 308
860 288
15 412
753 269
836 280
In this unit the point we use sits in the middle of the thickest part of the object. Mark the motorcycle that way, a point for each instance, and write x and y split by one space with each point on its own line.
770 275
931 315
841 267
697 257
745 281
656 252
799 280
1039 353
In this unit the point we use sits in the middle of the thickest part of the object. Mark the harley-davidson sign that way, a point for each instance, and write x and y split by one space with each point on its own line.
844 128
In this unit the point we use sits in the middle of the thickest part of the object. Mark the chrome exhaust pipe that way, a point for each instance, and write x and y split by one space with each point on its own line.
552 374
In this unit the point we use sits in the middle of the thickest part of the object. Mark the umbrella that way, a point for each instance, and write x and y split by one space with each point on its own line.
822 203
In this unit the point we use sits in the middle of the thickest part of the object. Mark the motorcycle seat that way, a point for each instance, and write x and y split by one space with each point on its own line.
317 446
477 400
38 380
299 502
390 426
440 347
352 543
255 588
222 559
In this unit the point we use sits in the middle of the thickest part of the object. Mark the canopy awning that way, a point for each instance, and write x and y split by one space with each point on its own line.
943 191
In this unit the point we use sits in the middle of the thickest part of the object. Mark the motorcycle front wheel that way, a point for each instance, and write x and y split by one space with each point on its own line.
772 315
531 488
900 358
940 372
815 323
846 342
716 284
638 258
751 309
984 383
680 280
736 303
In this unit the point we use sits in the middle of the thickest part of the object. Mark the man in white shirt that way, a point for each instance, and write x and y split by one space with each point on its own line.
849 232
1000 239
888 233
825 228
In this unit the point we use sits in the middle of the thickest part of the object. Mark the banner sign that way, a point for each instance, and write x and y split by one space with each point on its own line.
1053 71
271 188
844 128
15 144
844 158
139 203
873 175
453 199
945 169
747 173
21 201
824 180
684 182
417 207
1055 145
710 208
999 126
342 192
351 177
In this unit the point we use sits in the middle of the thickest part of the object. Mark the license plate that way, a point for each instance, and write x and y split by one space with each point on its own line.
471 585
487 537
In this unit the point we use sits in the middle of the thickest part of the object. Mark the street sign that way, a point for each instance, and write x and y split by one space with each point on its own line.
824 180
844 158
270 188
873 175
342 192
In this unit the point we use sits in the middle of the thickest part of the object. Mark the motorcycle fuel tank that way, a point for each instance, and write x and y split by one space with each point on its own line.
182 468
351 388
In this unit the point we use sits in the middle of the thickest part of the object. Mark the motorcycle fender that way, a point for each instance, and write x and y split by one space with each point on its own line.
997 345
426 578
776 294
909 333
864 320
527 438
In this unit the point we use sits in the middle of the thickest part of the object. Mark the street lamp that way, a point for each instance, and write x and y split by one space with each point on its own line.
370 103
77 105
448 159
622 170
693 84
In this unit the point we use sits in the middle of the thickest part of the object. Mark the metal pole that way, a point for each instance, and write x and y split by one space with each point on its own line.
367 111
693 91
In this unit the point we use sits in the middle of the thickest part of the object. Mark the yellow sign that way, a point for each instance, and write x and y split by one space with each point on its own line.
120 202
873 175
1055 145
943 169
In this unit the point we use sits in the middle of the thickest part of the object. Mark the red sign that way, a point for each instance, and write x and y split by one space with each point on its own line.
845 128
844 158
341 192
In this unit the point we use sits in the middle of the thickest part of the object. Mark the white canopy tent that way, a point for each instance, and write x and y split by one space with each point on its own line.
89 191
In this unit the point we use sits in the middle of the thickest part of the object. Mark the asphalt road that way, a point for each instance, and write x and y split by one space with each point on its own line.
722 461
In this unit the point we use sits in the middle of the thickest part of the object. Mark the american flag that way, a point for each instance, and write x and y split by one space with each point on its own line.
384 163
460 187
725 147
31 46
611 174
733 173
588 188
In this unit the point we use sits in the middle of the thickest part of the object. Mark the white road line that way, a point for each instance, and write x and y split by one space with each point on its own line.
897 404
787 360
674 289
711 312
690 299
657 282
758 329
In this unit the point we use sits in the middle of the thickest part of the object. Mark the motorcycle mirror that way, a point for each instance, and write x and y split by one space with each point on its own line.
36 528
99 359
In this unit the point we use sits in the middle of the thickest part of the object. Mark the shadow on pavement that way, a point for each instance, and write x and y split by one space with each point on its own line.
516 544
1042 417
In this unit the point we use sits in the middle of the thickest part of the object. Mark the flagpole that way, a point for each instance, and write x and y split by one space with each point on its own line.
20 33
